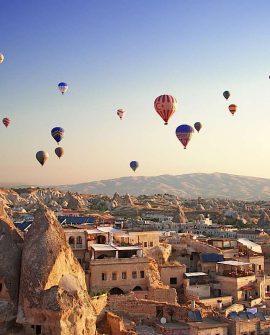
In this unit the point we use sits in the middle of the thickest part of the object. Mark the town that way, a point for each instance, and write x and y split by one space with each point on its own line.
75 263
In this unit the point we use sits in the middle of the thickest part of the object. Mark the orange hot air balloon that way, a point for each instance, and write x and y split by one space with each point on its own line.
165 105
232 108
6 121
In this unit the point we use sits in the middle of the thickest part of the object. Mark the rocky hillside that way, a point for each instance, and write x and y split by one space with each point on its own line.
215 185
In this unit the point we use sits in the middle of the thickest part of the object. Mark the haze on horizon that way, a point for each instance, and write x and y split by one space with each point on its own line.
122 54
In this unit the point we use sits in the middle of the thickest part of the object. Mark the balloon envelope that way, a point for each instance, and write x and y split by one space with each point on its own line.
198 126
59 152
42 156
1 58
184 133
232 108
134 165
6 121
57 133
165 105
226 94
63 87
120 113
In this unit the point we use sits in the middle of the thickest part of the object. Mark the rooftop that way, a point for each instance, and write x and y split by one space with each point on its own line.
233 263
195 274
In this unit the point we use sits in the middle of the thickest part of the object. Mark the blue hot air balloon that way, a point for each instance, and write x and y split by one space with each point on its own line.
57 133
134 165
184 133
63 87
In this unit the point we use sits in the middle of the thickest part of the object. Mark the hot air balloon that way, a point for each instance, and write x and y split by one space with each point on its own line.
42 156
120 113
57 134
59 152
6 121
184 133
165 105
232 108
198 126
226 94
1 58
63 87
134 165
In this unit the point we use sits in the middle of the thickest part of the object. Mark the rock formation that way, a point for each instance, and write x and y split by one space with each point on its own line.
11 243
53 292
179 216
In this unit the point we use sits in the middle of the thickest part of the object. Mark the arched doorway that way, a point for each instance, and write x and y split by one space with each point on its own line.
116 290
137 288
101 239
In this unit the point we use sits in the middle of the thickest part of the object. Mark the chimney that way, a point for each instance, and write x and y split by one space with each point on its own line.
193 305
220 305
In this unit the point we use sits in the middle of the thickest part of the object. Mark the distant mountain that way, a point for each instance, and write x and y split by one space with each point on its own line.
214 185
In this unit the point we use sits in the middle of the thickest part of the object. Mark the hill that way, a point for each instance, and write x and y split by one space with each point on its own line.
214 185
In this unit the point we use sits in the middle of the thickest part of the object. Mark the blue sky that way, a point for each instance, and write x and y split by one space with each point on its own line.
123 54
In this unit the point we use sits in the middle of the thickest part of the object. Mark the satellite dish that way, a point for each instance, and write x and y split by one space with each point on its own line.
163 320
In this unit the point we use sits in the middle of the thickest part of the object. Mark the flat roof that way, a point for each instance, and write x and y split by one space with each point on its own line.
233 263
135 247
194 274
109 247
102 247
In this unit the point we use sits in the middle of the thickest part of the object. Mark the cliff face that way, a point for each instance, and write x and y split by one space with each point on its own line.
11 243
52 287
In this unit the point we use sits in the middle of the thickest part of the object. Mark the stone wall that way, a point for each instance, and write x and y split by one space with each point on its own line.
159 294
117 326
215 302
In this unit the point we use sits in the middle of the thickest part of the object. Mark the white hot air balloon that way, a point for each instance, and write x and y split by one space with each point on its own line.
120 113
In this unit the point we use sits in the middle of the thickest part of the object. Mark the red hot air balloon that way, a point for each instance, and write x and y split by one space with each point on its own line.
232 108
6 121
165 105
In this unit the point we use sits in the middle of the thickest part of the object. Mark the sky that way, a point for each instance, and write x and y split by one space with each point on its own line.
123 54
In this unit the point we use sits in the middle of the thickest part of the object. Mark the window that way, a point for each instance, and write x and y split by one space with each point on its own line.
142 274
114 276
173 281
145 244
124 275
134 274
71 240
79 240
260 267
151 244
104 276
1 287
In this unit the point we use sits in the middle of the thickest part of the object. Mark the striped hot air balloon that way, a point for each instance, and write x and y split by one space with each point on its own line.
184 133
165 105
232 108
57 133
6 121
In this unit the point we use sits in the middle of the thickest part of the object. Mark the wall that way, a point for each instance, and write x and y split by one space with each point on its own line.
116 325
202 291
158 294
176 271
231 286
146 239
218 330
109 266
214 302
